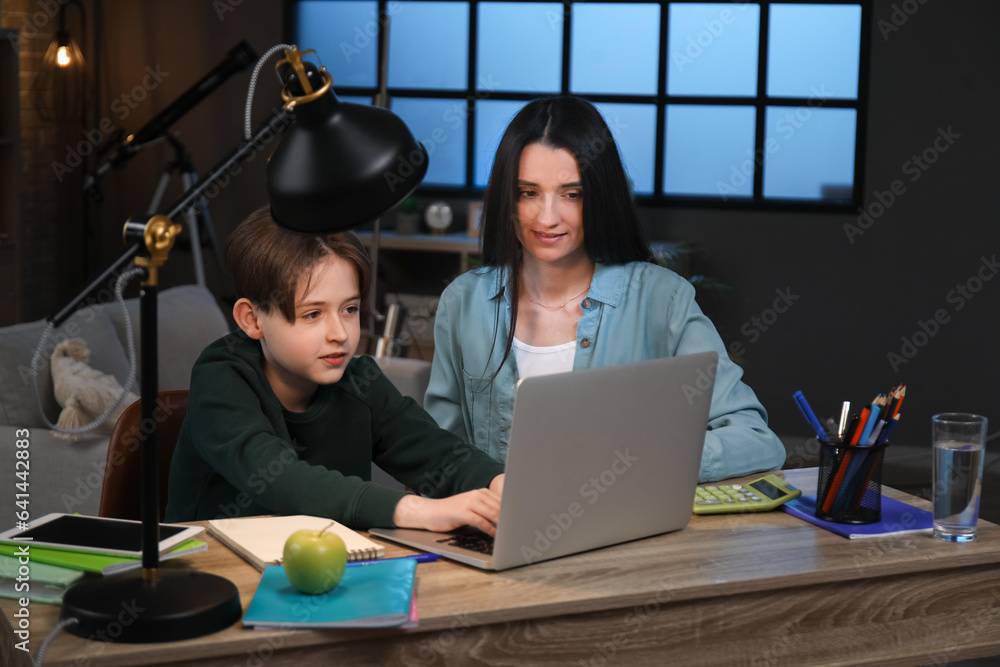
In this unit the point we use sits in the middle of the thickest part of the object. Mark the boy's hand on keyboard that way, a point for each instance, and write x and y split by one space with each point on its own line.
479 508
497 484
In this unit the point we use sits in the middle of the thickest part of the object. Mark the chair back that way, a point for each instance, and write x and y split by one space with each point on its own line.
121 493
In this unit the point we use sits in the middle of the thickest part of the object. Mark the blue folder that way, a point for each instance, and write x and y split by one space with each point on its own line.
377 595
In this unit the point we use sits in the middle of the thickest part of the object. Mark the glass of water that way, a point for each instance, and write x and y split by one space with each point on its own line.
959 449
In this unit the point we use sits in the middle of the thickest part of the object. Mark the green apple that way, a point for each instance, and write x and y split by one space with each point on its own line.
314 560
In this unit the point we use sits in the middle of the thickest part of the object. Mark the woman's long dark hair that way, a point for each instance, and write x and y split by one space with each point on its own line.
612 232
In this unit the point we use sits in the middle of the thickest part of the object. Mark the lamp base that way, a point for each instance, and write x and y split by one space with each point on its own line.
126 608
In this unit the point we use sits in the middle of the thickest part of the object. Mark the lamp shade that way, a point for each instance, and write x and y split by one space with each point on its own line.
61 87
339 164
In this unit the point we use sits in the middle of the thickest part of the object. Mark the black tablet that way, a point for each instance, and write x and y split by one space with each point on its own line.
118 537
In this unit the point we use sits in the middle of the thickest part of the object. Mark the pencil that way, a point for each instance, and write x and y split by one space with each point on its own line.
899 404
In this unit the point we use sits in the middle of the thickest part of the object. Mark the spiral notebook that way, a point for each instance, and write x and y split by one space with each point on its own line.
260 540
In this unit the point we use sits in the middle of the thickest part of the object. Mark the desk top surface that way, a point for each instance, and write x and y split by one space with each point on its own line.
712 556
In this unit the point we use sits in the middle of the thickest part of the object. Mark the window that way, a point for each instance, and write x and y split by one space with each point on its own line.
748 104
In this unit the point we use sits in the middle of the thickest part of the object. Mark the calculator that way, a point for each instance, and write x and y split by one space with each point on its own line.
760 495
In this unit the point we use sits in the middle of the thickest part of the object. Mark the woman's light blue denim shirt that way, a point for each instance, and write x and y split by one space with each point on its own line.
632 312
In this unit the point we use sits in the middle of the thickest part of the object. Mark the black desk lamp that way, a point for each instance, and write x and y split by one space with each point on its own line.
338 165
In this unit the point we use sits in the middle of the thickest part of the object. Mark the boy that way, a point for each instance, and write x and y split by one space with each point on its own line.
282 420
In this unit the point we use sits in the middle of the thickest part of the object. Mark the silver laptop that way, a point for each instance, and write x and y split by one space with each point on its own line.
596 457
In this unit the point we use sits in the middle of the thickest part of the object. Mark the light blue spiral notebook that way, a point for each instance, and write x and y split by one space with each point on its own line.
378 594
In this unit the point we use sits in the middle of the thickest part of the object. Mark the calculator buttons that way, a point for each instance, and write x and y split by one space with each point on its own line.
725 498
724 494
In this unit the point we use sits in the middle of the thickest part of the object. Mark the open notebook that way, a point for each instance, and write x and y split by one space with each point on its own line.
260 540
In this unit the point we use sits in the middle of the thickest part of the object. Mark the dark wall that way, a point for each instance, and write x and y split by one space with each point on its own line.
850 299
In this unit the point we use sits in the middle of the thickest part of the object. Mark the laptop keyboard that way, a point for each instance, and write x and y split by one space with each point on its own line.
471 539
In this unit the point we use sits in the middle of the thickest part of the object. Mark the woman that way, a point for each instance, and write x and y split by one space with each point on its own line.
569 282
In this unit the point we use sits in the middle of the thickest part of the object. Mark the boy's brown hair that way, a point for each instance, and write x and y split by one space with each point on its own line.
266 261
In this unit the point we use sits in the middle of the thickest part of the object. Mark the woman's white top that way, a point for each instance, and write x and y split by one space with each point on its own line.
532 360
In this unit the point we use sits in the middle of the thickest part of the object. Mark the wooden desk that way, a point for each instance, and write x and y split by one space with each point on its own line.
764 589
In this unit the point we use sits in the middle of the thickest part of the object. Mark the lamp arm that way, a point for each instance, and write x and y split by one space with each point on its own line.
278 121
266 131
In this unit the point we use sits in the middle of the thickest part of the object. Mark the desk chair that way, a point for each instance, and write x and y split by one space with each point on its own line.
120 496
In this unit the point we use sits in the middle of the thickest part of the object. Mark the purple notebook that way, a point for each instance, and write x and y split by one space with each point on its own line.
898 518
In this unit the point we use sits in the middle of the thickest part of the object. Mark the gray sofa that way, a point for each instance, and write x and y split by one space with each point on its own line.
67 476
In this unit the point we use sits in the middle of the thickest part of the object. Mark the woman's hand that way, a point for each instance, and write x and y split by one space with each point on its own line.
479 508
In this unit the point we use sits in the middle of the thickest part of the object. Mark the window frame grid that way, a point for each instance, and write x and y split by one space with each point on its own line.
660 100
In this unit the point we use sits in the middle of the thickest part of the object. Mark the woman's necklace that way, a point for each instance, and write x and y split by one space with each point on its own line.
561 305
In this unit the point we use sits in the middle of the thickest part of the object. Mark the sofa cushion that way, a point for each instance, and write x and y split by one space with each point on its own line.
409 376
189 319
17 346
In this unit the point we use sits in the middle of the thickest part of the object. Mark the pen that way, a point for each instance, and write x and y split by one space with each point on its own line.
852 425
810 416
845 410
420 558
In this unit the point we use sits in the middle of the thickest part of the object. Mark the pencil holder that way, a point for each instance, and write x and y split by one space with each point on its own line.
849 489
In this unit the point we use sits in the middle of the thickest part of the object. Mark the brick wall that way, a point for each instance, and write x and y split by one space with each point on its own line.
51 222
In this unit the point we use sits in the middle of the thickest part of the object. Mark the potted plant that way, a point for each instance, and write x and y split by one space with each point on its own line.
408 216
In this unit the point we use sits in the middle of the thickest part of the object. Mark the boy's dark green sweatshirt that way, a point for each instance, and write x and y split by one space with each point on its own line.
241 453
